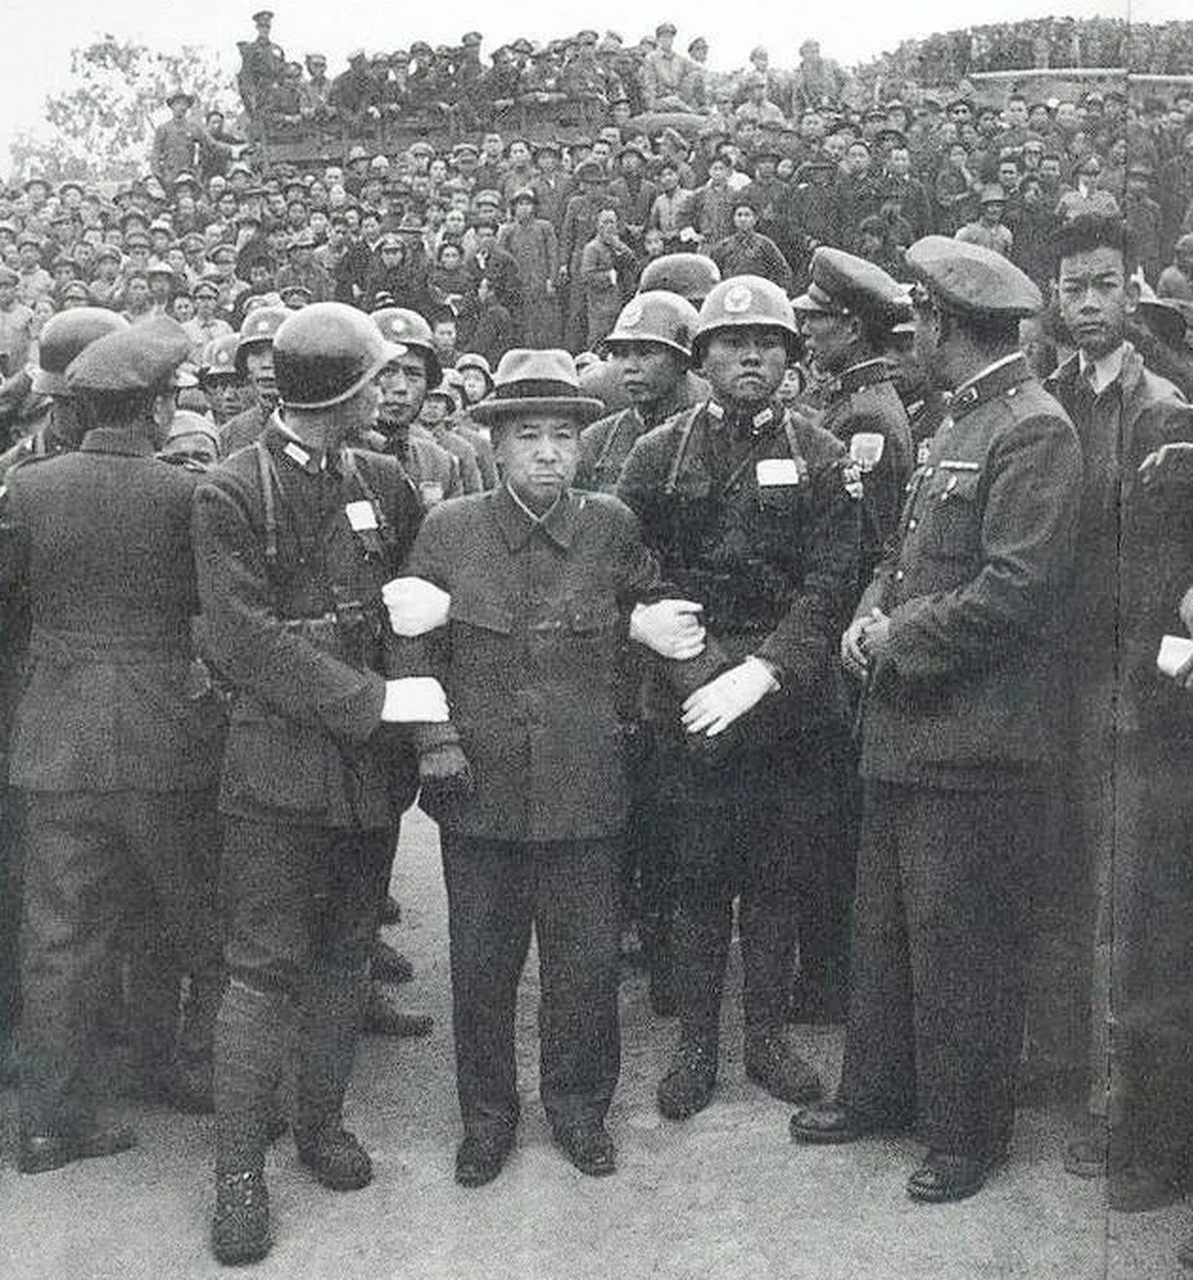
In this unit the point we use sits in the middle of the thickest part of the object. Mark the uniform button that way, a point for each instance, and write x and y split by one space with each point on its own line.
929 471
899 575
911 524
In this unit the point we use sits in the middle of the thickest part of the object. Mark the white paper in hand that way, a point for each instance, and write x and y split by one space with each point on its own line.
1175 654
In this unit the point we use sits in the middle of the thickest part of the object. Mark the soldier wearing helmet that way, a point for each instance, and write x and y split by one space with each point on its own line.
295 537
691 276
405 385
220 380
747 507
254 364
650 349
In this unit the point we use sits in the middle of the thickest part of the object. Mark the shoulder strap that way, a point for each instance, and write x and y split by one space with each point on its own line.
683 438
269 486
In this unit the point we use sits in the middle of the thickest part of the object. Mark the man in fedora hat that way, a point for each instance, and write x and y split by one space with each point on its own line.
530 792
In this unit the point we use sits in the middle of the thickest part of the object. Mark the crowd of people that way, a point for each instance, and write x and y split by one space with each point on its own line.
623 501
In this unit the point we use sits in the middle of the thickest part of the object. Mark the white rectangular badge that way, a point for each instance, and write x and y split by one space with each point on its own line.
361 516
776 471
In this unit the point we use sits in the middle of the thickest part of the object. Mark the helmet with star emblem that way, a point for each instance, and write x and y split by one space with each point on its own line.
745 302
658 317
257 329
408 329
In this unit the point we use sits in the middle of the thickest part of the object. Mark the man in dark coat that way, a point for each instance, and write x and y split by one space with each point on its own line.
956 639
114 747
294 539
541 580
747 506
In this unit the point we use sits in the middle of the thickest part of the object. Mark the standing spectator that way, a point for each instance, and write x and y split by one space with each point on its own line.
605 268
531 242
747 252
989 231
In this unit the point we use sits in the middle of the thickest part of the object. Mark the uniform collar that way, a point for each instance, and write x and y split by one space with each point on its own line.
993 380
130 442
742 423
864 374
518 524
285 446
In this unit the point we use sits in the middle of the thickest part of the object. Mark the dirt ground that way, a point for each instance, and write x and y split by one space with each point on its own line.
725 1196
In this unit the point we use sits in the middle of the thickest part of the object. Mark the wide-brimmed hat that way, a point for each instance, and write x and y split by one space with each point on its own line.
537 381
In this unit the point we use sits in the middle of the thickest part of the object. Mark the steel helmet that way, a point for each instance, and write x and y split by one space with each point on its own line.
408 329
691 275
656 316
257 329
219 358
63 337
325 353
745 302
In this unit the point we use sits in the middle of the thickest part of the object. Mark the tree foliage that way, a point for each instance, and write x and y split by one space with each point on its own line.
101 126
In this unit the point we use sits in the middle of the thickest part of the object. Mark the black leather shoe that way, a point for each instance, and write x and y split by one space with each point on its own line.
825 1122
480 1158
336 1159
389 965
384 1015
943 1178
589 1147
773 1062
42 1152
240 1223
689 1083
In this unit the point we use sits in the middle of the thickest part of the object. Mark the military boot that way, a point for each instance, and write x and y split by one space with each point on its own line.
333 1000
773 1062
688 1085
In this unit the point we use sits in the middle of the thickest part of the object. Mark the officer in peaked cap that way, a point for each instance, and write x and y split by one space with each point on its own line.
518 847
295 538
846 315
955 639
746 505
99 541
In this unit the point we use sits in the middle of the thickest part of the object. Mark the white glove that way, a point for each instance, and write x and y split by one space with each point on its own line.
415 606
414 700
716 705
669 627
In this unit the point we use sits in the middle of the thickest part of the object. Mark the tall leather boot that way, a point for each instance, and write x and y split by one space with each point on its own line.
251 1040
332 1013
700 939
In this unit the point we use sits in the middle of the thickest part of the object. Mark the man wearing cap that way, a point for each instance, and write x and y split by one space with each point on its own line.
1114 897
669 82
176 141
261 63
989 230
542 581
955 638
847 315
16 326
254 364
205 325
294 538
302 269
116 756
747 252
747 506
531 242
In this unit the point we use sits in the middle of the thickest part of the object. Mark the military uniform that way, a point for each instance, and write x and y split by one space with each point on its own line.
114 749
750 517
957 739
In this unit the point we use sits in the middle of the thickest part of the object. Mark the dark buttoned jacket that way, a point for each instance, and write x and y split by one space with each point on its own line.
99 543
964 693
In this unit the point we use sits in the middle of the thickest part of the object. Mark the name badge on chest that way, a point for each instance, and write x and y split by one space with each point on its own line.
772 473
361 516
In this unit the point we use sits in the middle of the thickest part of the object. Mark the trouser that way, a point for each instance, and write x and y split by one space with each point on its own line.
88 857
496 890
11 854
765 830
936 1008
302 905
